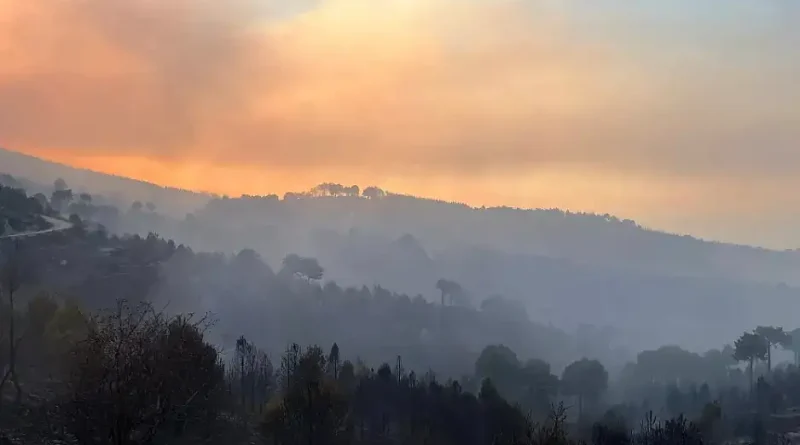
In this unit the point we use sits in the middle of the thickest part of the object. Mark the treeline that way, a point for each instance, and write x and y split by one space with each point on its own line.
182 386
274 307
76 365
133 375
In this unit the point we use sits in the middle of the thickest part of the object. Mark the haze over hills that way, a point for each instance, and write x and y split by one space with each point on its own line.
399 222
119 189
640 281
584 238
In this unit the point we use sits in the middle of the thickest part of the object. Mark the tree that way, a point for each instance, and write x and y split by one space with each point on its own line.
353 190
333 361
373 193
586 379
252 370
794 345
449 289
540 387
307 268
749 348
139 374
244 357
42 200
60 199
670 364
499 364
310 409
10 281
774 336
59 185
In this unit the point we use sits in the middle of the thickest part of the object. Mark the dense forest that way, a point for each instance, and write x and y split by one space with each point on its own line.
109 337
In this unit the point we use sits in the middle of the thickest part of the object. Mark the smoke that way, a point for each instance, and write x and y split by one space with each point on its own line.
449 90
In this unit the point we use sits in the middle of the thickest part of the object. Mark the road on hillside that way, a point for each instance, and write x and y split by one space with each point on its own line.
59 225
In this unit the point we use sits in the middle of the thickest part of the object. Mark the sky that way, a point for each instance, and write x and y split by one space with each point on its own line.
682 114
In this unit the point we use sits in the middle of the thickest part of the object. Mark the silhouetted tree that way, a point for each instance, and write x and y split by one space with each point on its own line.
774 336
586 379
373 193
333 361
307 268
449 290
749 348
794 345
310 410
59 185
499 364
11 277
139 375
60 199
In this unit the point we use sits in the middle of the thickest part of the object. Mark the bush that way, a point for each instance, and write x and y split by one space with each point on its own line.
139 375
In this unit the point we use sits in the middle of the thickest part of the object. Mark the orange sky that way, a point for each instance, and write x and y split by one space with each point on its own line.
528 103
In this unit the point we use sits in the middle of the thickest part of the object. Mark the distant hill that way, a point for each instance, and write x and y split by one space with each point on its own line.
567 268
121 190
602 240
598 240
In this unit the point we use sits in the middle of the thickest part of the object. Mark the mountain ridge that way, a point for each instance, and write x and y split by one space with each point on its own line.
40 169
577 236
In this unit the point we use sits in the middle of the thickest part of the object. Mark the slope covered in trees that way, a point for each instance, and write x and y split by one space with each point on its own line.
20 213
585 238
406 243
134 375
138 340
374 238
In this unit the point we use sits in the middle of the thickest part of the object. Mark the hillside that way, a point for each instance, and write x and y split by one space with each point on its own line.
600 240
39 174
583 238
20 213
566 268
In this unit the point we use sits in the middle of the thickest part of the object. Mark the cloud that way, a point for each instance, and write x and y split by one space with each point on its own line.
454 88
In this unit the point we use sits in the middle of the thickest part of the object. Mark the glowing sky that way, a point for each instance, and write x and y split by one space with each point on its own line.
679 113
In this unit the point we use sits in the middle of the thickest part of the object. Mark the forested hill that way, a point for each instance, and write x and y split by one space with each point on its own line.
87 266
566 269
591 239
603 240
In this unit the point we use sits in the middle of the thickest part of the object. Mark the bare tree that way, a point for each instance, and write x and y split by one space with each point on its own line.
10 282
252 370
139 375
